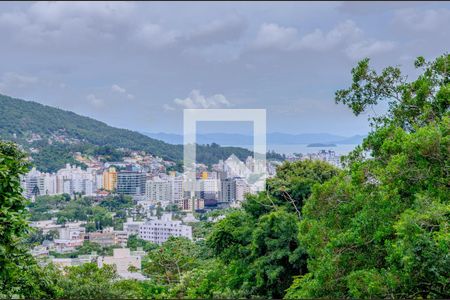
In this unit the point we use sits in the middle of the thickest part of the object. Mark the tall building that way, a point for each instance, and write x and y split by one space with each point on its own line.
110 179
98 180
233 189
226 190
131 183
70 179
240 189
158 190
36 183
207 188
176 188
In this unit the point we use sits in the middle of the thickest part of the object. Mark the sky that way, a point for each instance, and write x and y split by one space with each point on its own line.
138 65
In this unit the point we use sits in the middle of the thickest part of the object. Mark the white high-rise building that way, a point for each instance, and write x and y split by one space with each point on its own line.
208 188
159 230
98 181
68 180
176 188
158 190
233 189
73 180
37 183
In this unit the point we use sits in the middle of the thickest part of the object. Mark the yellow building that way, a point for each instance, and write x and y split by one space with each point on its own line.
110 179
204 175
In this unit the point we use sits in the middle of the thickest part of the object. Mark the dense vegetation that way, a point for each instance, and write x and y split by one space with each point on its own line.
19 272
379 228
20 120
110 211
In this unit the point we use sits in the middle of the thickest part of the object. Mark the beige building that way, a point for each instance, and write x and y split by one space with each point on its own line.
108 237
191 204
110 179
122 259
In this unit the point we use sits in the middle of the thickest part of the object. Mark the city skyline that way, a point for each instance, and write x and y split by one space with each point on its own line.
137 65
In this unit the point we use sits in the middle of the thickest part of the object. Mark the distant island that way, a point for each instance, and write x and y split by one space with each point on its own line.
321 145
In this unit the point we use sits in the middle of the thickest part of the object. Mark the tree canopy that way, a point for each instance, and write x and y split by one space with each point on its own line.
381 228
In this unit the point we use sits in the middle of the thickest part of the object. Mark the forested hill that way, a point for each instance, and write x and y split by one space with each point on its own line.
52 135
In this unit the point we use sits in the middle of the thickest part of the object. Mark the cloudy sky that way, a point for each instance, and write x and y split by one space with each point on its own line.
138 65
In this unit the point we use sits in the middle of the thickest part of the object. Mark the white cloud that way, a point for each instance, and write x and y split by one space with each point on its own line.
345 35
423 20
196 100
68 22
95 101
54 12
287 38
272 35
368 48
76 25
222 30
343 32
10 81
153 36
118 89
167 107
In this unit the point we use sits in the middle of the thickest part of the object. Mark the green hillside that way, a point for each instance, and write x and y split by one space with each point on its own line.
52 135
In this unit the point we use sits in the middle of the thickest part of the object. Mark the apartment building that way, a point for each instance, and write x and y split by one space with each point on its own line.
160 230
131 182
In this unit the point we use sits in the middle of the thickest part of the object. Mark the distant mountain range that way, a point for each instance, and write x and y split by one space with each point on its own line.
275 138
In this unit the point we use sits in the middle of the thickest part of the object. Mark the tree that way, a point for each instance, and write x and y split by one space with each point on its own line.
87 281
20 276
134 289
290 188
411 104
167 263
260 244
277 253
211 279
134 242
380 228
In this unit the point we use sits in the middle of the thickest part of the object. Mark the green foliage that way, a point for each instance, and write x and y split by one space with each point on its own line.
260 243
294 182
134 242
167 263
110 212
20 276
380 229
36 237
211 279
87 281
411 104
117 203
133 289
51 158
277 253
